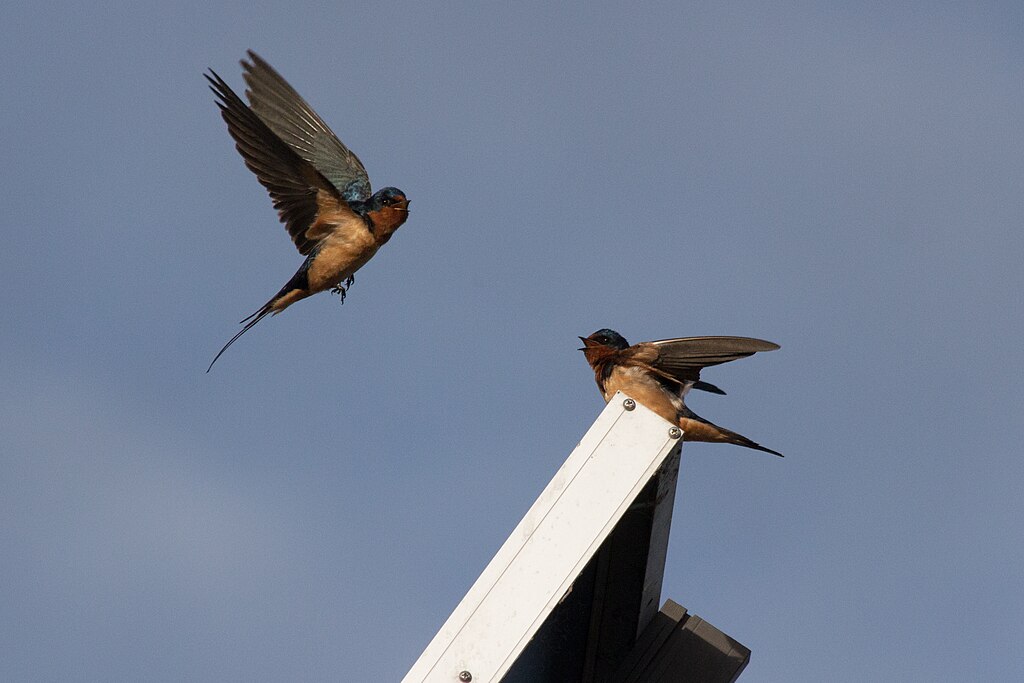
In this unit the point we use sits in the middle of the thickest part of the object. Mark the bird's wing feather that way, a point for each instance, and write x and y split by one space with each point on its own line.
295 122
298 190
683 358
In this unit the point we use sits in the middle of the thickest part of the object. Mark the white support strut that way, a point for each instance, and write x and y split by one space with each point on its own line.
537 565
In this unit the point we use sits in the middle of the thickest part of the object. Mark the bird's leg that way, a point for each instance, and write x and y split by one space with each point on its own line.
341 289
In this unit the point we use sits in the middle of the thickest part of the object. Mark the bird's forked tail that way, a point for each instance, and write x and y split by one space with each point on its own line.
249 322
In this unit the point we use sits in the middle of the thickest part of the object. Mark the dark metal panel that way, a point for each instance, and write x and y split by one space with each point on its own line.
631 566
682 648
597 623
650 642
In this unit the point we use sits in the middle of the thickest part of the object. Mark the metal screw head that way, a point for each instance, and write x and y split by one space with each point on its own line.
465 676
675 432
629 404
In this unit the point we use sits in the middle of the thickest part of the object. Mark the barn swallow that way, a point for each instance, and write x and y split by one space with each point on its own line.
658 374
318 186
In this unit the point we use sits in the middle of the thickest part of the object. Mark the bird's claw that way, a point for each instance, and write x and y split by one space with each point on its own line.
341 289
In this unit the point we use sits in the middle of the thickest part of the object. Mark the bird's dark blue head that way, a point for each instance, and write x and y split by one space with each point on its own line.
387 197
386 210
606 337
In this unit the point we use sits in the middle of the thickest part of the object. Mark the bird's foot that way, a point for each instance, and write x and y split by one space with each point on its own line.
341 289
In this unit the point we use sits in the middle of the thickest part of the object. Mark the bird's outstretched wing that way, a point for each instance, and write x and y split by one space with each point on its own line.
294 121
682 359
308 203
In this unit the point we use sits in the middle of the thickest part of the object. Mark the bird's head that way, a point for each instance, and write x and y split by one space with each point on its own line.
389 197
604 337
602 346
388 209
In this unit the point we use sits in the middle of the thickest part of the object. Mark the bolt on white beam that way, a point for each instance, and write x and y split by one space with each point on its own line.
546 552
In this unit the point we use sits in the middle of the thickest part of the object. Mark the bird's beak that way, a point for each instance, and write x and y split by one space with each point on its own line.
585 341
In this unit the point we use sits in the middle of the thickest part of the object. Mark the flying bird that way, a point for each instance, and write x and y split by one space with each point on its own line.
318 186
659 374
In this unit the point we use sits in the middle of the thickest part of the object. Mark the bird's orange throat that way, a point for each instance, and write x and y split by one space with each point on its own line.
386 220
599 357
599 354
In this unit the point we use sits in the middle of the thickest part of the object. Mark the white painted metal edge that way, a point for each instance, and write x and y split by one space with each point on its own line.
549 548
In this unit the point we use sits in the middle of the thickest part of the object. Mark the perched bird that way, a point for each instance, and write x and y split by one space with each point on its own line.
658 374
319 187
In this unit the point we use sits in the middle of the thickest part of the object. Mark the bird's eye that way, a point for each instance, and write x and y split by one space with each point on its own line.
386 201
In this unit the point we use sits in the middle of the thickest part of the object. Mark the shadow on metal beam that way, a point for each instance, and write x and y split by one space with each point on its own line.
597 623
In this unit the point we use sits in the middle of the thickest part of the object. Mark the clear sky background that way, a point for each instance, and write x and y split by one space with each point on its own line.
846 179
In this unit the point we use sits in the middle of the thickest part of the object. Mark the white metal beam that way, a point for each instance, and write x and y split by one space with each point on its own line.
552 544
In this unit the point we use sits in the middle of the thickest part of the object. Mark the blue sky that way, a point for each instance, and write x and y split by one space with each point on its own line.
844 179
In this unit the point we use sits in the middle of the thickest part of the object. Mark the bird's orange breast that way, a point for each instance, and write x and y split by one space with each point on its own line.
638 383
340 257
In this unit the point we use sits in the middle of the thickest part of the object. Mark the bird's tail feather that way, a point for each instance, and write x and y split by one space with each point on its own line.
708 387
251 320
696 428
741 440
